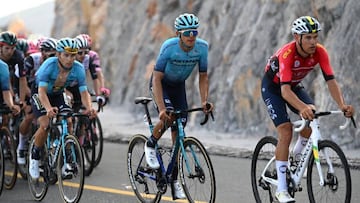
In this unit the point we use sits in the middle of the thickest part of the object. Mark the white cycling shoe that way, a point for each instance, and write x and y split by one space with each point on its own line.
178 192
284 197
150 155
34 168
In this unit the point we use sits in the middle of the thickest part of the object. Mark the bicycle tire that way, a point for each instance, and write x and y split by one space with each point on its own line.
84 133
38 187
144 188
2 169
333 192
71 188
99 140
264 151
194 181
10 158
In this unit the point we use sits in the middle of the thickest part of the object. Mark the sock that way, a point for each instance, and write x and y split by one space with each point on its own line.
151 141
35 154
22 140
299 146
281 175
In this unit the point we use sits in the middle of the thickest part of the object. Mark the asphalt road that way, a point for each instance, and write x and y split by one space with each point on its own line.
109 182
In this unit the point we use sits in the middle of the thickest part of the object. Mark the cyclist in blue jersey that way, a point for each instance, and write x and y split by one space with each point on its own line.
6 96
53 76
177 58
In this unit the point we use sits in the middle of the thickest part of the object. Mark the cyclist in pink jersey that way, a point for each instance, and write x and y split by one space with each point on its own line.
281 87
95 65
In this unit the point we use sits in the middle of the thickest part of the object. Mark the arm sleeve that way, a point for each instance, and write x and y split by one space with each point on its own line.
324 62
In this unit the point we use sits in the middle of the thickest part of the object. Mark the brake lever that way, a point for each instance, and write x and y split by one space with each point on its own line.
353 121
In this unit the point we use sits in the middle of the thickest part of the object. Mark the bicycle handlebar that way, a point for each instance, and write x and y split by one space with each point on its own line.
303 122
206 118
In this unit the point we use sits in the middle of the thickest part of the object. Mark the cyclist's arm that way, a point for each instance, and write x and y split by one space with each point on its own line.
42 90
158 90
203 87
86 100
8 98
336 94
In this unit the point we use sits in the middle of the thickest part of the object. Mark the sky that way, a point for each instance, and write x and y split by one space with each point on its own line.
14 6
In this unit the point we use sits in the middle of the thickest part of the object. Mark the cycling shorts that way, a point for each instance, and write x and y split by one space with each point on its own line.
276 104
56 100
174 99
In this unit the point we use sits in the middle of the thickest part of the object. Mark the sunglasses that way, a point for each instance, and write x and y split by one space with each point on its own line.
71 50
189 33
83 52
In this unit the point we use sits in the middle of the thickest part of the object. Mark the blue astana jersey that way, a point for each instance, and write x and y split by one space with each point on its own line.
49 70
4 76
177 64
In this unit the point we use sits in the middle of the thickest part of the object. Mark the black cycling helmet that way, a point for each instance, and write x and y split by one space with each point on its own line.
8 38
22 45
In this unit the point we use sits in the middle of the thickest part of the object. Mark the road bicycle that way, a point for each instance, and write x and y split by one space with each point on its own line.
8 148
195 169
61 149
90 135
327 178
84 131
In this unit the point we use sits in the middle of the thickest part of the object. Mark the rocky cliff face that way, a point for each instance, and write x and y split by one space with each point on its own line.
241 34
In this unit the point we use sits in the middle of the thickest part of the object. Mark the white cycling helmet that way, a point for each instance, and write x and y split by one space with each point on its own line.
305 25
186 21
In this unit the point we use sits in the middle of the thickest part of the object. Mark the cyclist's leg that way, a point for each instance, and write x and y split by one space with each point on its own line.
39 136
304 134
276 107
24 134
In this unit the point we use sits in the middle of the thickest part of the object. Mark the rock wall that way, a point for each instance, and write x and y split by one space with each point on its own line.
241 34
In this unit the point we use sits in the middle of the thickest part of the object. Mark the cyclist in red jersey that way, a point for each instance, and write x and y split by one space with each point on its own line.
281 87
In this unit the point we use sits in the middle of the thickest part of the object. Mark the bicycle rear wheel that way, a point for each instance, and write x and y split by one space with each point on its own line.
264 151
142 177
71 177
1 169
337 186
98 139
196 172
9 150
38 187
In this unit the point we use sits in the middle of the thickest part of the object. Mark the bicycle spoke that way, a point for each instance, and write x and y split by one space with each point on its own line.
9 152
196 172
70 170
140 174
38 187
337 181
264 151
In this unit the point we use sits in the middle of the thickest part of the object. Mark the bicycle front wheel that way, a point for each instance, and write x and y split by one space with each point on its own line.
142 177
337 179
196 172
263 153
70 170
38 187
9 150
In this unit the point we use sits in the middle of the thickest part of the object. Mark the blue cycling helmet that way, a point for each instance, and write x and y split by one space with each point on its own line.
305 25
68 45
186 21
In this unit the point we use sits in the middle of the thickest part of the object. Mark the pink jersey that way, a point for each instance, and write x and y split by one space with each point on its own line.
293 68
